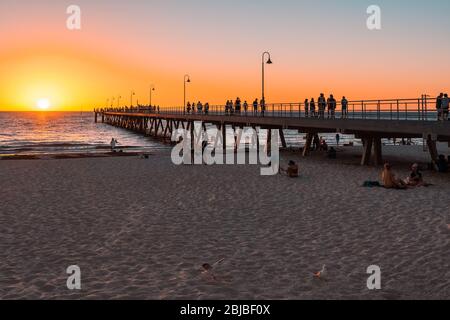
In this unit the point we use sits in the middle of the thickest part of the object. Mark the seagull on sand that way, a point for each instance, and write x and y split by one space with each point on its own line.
322 274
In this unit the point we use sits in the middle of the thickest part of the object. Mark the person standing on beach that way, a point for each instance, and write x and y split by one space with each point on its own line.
113 144
439 107
344 104
338 139
306 108
444 107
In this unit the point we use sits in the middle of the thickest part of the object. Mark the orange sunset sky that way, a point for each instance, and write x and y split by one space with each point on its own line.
316 46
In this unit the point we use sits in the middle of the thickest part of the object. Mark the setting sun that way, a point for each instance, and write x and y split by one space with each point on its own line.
43 104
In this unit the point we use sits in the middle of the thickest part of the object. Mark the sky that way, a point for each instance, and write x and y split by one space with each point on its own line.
125 46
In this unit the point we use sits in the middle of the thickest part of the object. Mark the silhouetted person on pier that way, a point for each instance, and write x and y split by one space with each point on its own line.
306 108
445 106
255 107
312 107
322 105
245 107
237 105
263 107
188 108
199 107
439 107
344 104
207 108
331 107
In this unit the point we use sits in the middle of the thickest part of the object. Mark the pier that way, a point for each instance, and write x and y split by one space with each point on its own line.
368 120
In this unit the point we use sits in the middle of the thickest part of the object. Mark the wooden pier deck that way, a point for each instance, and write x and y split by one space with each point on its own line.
370 131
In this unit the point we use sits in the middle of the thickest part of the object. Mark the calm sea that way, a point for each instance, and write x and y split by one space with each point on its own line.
75 132
64 132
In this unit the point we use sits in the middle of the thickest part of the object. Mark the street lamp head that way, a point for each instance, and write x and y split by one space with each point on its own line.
188 80
269 61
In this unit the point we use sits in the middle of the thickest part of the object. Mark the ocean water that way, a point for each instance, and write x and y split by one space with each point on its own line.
27 133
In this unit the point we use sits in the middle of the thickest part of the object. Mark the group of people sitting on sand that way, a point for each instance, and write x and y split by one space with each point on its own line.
391 181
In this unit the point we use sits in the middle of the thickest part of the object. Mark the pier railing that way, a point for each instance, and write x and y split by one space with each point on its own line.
422 109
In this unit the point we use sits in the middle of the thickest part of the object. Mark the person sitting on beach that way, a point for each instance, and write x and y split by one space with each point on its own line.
442 164
332 153
291 171
323 145
389 179
415 178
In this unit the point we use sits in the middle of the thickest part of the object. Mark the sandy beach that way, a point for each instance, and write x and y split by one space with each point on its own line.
141 229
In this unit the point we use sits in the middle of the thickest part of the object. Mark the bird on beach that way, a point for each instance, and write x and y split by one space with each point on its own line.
322 273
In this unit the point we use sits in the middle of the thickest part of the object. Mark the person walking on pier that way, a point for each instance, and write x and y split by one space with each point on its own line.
199 107
439 107
444 107
312 108
306 108
188 108
344 104
255 107
322 105
331 107
237 105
